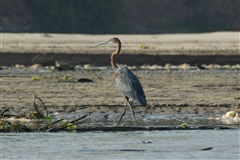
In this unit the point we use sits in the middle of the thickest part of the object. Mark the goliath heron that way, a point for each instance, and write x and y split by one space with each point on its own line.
126 81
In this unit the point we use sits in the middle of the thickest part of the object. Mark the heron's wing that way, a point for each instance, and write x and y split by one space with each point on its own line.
129 85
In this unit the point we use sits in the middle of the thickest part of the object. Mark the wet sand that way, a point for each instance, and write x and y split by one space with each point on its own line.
167 91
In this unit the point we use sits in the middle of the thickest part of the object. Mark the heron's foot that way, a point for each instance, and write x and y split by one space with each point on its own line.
117 124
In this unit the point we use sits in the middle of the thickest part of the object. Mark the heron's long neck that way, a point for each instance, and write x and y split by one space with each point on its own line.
114 54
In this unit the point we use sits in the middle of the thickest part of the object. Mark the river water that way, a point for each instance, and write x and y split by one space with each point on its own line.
161 144
172 144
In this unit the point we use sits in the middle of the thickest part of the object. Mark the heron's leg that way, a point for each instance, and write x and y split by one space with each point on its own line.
133 113
123 113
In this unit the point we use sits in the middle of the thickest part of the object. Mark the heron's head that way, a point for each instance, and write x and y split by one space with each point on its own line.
112 40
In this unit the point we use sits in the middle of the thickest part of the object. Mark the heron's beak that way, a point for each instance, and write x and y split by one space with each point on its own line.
104 42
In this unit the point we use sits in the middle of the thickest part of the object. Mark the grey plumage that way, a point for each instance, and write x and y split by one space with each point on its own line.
126 81
129 85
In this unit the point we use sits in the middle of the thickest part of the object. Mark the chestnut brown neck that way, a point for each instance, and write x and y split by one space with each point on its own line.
114 54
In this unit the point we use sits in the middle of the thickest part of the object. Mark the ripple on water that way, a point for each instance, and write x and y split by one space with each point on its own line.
182 144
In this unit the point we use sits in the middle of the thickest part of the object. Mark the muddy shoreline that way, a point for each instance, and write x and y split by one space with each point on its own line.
178 92
168 91
194 49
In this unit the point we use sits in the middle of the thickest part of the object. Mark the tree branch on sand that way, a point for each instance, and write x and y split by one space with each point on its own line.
35 121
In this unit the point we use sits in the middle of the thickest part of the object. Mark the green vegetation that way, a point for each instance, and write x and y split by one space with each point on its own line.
184 125
207 78
120 17
35 78
75 16
143 46
71 126
66 78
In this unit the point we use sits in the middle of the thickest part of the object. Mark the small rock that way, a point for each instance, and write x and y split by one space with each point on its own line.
226 66
52 68
168 66
210 66
19 66
78 67
102 68
144 67
231 114
153 67
184 66
87 66
160 67
174 67
238 66
132 67
35 66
